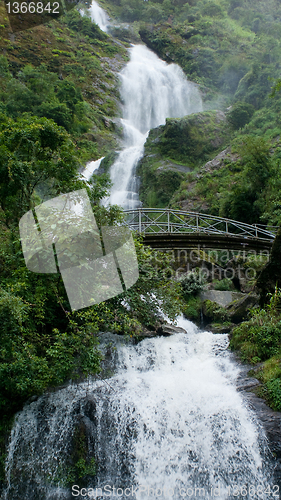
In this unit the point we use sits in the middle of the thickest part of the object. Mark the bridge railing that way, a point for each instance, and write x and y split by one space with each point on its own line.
152 220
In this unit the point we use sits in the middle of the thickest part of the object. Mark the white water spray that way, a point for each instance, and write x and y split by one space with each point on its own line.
99 16
170 419
91 167
152 91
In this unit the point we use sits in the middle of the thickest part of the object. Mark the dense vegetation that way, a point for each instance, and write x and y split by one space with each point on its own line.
43 343
259 340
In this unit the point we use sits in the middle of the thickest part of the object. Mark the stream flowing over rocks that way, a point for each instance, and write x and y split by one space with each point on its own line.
167 417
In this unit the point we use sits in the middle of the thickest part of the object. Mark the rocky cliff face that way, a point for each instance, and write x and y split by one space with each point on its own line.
176 148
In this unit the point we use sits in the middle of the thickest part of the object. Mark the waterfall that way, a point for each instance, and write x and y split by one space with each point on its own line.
91 167
99 16
151 91
168 423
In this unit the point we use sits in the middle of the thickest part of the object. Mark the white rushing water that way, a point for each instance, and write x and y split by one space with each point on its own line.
91 167
151 91
169 420
99 16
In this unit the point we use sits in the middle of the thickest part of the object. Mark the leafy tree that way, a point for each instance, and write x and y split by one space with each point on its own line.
34 151
246 201
68 93
57 111
256 159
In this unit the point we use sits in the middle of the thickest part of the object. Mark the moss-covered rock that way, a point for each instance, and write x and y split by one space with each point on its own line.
238 310
212 311
173 149
192 139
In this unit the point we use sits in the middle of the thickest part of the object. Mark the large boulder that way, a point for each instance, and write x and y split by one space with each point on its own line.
238 310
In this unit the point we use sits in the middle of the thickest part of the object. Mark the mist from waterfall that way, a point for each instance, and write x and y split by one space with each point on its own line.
168 420
151 91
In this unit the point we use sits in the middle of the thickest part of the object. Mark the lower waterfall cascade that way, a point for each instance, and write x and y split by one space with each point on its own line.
168 423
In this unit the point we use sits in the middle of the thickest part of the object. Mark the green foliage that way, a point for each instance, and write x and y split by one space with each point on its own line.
245 201
84 25
192 308
34 151
212 9
192 284
245 185
40 92
225 284
260 337
240 114
274 393
213 312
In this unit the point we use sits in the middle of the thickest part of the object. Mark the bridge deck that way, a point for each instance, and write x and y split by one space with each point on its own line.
176 229
188 241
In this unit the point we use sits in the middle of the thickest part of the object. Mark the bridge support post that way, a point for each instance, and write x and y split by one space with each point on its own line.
168 221
139 220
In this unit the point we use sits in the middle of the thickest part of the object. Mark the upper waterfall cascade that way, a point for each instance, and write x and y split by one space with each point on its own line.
151 91
99 16
169 420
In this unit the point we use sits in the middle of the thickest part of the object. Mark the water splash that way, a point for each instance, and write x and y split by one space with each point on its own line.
152 91
169 419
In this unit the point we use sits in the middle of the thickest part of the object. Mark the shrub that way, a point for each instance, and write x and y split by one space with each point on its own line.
240 114
274 393
214 312
192 310
212 10
192 284
225 284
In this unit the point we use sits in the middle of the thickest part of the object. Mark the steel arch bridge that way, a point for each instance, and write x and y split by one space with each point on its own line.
176 229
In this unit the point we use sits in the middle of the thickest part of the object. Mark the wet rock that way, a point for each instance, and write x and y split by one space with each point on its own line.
269 419
217 328
167 330
238 310
164 329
